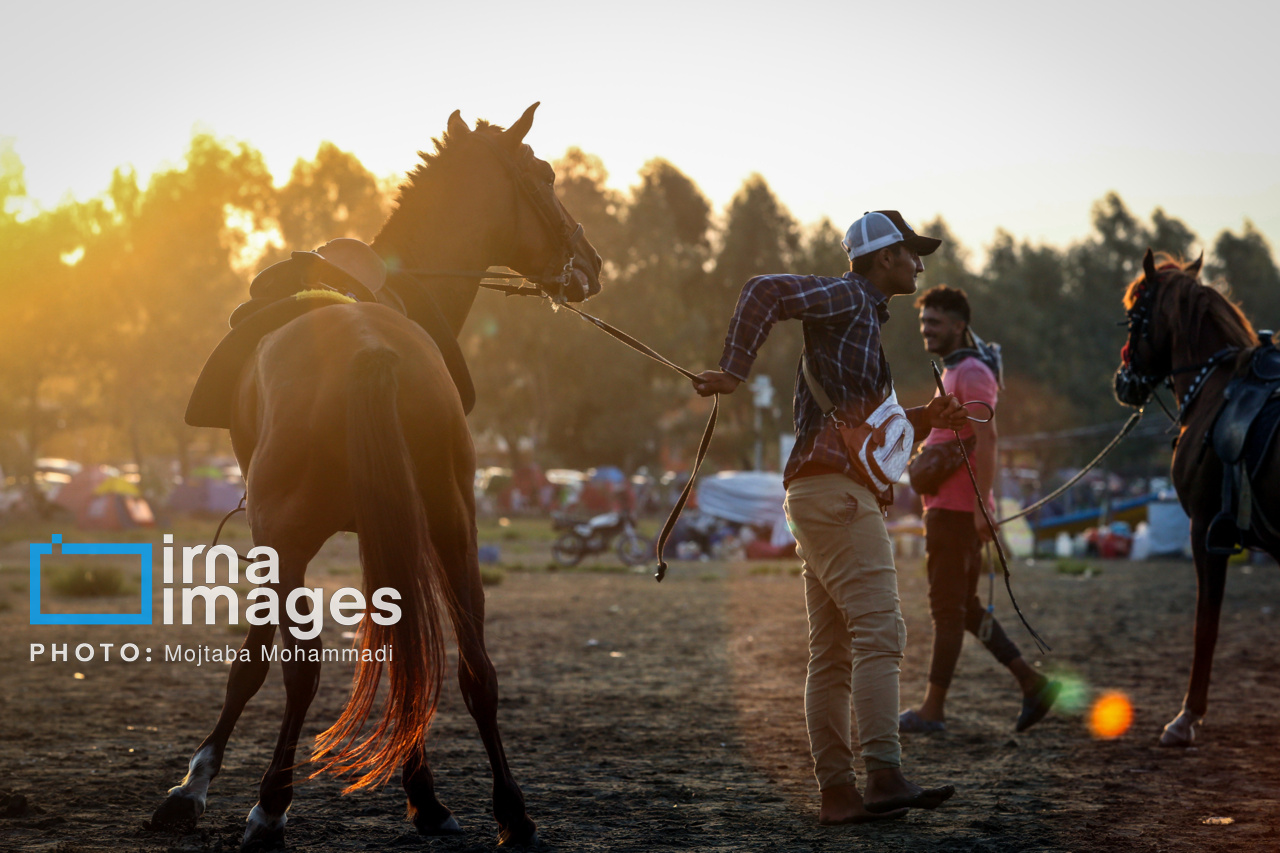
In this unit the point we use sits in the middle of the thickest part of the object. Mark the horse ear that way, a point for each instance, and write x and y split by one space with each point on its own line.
456 126
514 135
1149 265
1193 269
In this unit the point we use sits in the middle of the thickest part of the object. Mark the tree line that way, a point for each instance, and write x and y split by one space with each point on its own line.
115 302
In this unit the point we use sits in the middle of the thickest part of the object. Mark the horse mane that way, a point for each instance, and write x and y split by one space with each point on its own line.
1186 298
445 145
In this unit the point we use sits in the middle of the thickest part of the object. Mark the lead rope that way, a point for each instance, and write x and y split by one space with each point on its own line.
1124 431
707 432
995 534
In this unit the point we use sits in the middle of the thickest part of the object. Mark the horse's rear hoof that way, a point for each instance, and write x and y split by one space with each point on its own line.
1181 731
264 832
178 812
508 840
448 826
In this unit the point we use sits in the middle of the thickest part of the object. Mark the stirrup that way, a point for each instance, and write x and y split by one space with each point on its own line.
1223 537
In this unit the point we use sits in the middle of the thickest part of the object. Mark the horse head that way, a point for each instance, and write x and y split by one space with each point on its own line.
545 242
1147 355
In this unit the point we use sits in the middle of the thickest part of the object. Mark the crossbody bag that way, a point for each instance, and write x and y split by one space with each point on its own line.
880 446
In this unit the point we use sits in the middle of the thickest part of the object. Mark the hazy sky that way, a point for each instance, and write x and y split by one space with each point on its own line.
994 114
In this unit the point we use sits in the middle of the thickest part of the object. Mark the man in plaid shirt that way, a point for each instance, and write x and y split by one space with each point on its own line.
856 632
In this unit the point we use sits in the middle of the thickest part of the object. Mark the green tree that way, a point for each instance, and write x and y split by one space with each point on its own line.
760 236
1171 235
544 376
1246 264
820 251
168 274
331 196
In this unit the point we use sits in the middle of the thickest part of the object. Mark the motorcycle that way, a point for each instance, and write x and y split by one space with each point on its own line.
583 537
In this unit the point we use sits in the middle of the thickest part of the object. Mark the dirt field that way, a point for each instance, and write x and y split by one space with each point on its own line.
643 717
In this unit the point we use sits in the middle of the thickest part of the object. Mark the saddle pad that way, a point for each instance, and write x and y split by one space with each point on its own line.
210 403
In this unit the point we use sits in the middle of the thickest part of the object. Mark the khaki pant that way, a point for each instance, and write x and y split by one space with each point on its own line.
856 631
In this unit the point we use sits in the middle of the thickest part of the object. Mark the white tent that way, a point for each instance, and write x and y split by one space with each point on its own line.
747 497
1169 528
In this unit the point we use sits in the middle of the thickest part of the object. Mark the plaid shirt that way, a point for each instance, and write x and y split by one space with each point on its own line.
842 319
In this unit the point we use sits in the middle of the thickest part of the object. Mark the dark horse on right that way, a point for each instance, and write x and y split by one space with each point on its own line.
1226 461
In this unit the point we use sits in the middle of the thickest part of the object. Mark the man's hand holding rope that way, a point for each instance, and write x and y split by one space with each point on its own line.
711 382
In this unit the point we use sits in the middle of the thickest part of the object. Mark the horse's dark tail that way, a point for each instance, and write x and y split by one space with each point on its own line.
395 552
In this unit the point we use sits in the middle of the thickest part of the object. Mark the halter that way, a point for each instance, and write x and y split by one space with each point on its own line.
1138 318
1130 384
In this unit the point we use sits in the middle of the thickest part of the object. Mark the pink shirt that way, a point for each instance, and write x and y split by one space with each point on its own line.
969 380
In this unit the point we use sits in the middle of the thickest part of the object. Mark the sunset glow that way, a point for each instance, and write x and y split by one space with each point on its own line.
1011 121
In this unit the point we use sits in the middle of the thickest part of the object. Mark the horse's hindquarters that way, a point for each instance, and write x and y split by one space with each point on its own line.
291 411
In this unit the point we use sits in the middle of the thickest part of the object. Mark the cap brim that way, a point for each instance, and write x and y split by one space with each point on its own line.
923 245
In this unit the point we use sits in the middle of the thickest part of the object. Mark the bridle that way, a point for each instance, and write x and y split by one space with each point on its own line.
1134 387
542 197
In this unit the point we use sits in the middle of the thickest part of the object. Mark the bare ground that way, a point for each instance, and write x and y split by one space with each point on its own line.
643 717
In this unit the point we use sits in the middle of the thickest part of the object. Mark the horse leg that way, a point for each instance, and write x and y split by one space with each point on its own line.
429 815
478 681
186 801
301 679
1211 578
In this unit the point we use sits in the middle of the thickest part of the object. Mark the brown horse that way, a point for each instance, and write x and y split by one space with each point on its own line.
1189 336
347 419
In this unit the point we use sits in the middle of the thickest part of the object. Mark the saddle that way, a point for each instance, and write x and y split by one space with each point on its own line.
287 290
1242 435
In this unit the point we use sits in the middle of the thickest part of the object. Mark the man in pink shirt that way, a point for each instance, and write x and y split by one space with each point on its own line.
954 527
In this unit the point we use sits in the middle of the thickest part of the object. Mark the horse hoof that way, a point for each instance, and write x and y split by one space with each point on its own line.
507 840
179 811
448 826
1181 731
263 832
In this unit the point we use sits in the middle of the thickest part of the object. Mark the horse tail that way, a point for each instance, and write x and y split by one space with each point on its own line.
395 552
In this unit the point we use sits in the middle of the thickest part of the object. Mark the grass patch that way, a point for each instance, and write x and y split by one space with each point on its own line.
5 605
516 529
18 586
584 568
600 568
708 577
1077 568
87 582
492 575
770 569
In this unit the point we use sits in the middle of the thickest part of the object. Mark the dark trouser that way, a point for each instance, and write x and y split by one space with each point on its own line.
954 562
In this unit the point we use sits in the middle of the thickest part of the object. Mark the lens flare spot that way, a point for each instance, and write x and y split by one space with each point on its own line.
1075 691
1111 716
